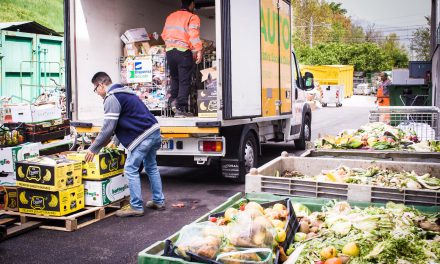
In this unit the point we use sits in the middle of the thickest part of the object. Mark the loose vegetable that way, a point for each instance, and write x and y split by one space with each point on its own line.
391 234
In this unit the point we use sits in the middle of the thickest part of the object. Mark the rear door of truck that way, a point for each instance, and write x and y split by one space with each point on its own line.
256 58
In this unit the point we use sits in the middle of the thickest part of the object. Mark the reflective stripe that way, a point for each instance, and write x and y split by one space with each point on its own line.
195 40
177 42
179 28
111 114
194 26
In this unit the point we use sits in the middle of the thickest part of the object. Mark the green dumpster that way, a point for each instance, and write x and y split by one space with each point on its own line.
410 95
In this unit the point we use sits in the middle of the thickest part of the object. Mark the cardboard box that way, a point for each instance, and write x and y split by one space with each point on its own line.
7 179
207 103
209 78
103 166
136 49
135 35
8 198
48 173
9 156
51 203
26 113
104 192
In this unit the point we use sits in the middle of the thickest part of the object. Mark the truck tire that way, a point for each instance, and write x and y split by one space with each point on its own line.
248 156
306 134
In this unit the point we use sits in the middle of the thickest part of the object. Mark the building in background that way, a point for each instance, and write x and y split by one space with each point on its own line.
435 48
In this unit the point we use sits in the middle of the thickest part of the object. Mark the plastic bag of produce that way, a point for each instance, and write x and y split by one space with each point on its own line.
251 229
203 239
246 255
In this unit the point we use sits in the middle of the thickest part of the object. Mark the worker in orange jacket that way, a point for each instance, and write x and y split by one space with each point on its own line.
383 93
184 47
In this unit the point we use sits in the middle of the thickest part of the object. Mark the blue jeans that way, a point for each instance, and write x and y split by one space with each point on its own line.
145 152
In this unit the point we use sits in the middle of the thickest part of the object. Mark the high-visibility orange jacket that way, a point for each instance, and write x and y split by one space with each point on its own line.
182 30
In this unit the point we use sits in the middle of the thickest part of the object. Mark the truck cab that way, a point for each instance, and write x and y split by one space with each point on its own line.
258 96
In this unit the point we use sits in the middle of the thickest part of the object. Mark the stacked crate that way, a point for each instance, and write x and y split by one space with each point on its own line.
49 185
104 181
47 130
9 156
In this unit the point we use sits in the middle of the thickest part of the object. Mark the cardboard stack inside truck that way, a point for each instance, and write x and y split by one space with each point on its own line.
49 185
144 68
104 181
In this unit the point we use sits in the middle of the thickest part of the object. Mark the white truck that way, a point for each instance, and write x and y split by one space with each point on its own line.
260 91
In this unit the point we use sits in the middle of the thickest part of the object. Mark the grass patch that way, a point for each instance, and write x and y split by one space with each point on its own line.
48 13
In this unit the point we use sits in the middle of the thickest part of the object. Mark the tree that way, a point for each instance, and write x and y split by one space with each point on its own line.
398 56
337 8
421 42
368 57
373 35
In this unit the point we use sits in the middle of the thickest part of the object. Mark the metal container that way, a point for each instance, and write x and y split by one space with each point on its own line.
27 63
424 120
333 75
264 179
418 69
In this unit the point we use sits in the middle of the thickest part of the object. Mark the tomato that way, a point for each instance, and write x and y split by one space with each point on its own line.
213 219
333 261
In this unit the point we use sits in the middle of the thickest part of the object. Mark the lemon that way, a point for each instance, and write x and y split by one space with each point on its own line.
277 223
254 205
328 253
280 235
351 249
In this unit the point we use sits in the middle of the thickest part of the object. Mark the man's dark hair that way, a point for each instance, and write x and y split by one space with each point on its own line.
186 3
101 77
385 74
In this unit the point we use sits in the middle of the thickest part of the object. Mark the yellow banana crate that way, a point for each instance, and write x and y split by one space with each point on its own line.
8 198
48 173
103 166
48 203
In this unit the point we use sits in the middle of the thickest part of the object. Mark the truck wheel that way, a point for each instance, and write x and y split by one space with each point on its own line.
324 105
248 155
306 134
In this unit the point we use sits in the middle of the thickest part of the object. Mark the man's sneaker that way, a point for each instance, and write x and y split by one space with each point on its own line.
155 206
127 211
181 114
173 106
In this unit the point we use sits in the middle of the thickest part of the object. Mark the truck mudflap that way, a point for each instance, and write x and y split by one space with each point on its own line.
230 168
210 146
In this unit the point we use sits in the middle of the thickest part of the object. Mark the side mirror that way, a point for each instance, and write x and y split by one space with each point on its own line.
309 83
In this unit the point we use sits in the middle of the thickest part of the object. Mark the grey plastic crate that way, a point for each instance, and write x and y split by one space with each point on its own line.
426 157
264 180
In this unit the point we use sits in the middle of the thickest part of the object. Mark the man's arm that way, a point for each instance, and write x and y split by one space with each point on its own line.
194 37
112 109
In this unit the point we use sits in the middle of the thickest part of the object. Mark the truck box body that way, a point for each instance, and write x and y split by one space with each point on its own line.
259 86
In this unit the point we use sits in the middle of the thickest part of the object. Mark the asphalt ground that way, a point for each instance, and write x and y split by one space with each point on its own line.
119 240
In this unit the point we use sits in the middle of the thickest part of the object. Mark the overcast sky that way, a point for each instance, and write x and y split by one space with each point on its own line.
399 16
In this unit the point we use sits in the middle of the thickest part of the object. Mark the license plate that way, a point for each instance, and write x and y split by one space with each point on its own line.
167 144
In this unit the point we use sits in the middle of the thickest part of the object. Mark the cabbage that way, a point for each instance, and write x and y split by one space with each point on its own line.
301 210
341 226
365 223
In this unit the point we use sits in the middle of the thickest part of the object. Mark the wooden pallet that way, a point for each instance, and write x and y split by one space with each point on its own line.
10 226
72 222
